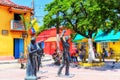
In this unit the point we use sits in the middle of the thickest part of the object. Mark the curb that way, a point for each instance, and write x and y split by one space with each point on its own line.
8 62
16 61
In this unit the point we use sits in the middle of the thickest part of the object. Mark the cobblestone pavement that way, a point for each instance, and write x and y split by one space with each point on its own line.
49 72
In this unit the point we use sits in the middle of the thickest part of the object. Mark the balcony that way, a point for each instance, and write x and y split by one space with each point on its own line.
17 25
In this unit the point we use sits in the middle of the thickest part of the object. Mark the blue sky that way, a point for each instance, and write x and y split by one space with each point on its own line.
39 7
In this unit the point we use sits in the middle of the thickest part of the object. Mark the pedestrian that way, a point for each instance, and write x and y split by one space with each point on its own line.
104 54
22 60
65 55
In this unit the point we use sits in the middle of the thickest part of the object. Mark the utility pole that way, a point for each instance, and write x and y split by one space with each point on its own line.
33 7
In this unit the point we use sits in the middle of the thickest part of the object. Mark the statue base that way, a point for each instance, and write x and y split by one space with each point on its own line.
41 72
66 76
31 78
93 64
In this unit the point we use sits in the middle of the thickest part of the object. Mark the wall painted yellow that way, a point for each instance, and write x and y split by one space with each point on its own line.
6 41
114 45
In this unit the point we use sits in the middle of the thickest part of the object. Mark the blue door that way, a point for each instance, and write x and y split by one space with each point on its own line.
21 46
18 47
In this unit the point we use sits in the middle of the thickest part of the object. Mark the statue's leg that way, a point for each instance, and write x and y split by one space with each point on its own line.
33 68
35 65
61 67
67 67
39 60
29 70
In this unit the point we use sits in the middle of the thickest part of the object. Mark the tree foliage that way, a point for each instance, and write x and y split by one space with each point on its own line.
84 16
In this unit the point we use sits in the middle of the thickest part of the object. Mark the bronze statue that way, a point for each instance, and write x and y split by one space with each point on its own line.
66 54
40 53
32 63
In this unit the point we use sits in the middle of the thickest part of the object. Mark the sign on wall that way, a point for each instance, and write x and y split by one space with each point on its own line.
4 32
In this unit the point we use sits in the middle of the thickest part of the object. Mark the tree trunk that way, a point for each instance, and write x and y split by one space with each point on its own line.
58 39
57 33
91 55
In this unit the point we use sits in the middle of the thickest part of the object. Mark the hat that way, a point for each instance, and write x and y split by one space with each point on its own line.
33 39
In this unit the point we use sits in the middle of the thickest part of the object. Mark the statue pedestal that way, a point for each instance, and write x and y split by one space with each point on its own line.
31 78
66 76
86 64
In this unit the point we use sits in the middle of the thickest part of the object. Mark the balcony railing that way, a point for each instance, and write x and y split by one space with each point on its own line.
17 25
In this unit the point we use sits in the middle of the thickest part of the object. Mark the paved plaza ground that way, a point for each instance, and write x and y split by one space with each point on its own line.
12 71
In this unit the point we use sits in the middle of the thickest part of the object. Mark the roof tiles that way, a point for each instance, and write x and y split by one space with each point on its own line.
11 4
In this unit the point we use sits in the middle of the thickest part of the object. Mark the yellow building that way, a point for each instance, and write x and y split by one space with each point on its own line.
13 34
111 40
107 41
107 45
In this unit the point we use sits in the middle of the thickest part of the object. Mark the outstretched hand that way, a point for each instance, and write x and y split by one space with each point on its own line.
63 32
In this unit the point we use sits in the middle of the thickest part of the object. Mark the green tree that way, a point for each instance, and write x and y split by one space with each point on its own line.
85 17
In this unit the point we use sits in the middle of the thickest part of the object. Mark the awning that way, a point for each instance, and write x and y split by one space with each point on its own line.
100 37
78 37
51 39
112 36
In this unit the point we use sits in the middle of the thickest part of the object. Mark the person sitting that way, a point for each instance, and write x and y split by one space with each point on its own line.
82 53
74 57
111 52
56 58
95 52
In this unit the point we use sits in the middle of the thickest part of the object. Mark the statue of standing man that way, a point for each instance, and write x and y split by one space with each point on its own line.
32 63
66 54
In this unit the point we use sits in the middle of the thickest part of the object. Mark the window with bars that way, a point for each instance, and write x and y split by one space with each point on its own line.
104 45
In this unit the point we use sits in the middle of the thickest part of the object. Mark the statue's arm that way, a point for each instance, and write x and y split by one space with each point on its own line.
61 37
31 52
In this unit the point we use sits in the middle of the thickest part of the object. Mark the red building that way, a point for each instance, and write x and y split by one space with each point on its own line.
49 38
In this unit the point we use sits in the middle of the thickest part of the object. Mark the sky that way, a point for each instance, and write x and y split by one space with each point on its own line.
39 7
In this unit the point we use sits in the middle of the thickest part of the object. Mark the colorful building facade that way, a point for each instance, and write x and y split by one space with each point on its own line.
13 34
110 40
49 38
102 40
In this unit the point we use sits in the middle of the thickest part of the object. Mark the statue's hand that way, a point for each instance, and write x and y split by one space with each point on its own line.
63 32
